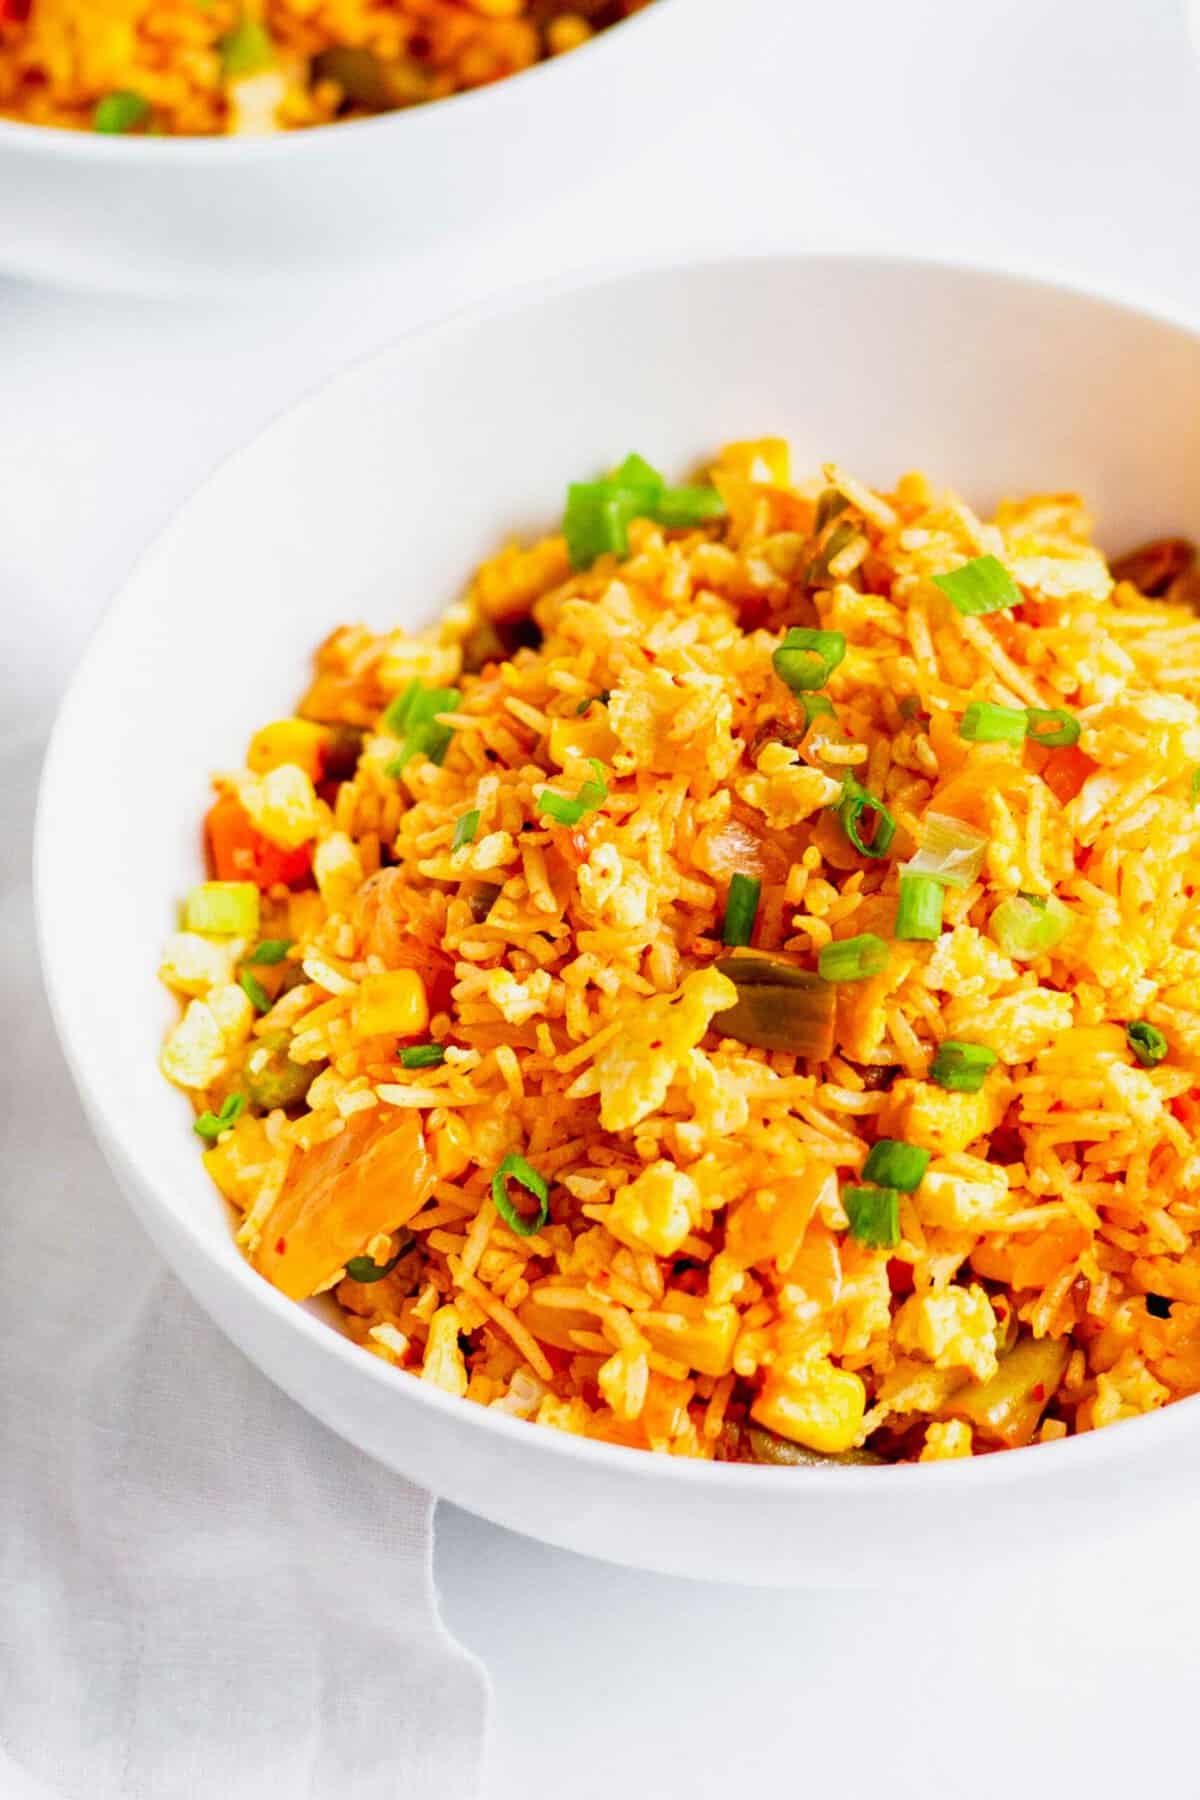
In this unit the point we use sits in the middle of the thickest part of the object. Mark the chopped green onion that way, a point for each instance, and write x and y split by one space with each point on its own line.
893 1163
831 549
601 699
950 851
1147 1042
1158 1306
983 585
960 1067
270 952
806 658
830 502
1195 786
853 959
640 480
779 1007
565 811
411 716
816 706
740 909
222 908
874 1215
366 1269
422 1056
1051 727
464 831
681 507
983 723
246 50
519 1170
1026 926
255 992
919 914
210 1125
120 112
855 802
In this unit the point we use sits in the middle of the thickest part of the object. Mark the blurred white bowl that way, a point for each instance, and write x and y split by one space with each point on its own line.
164 215
370 501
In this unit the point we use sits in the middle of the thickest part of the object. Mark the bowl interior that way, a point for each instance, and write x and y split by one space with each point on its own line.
372 500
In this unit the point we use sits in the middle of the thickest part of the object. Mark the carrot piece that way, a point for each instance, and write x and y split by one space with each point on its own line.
240 853
373 1177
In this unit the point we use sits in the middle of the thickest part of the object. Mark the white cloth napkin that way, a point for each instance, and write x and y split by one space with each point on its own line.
202 1591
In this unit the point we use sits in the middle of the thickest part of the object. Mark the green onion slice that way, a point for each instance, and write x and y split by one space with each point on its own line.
853 959
960 1067
983 723
779 1007
1147 1042
893 1163
515 1168
464 831
816 706
1051 727
120 112
411 716
210 1125
246 50
741 906
366 1269
270 952
565 811
874 1215
919 914
600 699
681 507
1195 786
806 658
950 852
856 802
830 502
255 992
598 513
983 585
422 1056
1027 926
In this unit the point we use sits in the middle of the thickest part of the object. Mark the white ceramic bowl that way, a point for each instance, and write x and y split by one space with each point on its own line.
371 501
164 215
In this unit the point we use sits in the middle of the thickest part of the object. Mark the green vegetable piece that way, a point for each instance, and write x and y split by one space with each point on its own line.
591 796
276 1080
210 1125
1025 926
893 1163
874 1215
806 658
853 959
600 699
681 508
270 952
741 907
779 1007
816 706
366 1269
856 804
422 1056
830 502
1051 727
515 1168
919 914
411 716
983 723
222 909
246 50
768 1447
464 831
959 1067
1006 1409
120 112
1194 786
596 521
950 851
255 992
983 585
1147 1042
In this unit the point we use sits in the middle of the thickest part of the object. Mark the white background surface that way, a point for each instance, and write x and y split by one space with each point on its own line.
1059 135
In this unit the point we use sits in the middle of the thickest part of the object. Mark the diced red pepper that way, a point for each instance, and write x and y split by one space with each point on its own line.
14 12
1066 771
240 853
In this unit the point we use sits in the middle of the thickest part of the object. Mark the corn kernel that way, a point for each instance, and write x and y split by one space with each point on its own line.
571 739
283 805
392 1004
444 1366
694 1331
296 741
811 1401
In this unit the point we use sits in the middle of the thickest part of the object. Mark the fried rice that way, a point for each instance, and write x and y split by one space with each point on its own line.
736 996
212 67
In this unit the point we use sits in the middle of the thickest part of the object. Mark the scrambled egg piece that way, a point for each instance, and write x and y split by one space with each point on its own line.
338 869
199 1047
283 805
963 1193
654 713
656 1210
937 1119
517 1001
634 1070
1015 1026
444 1365
945 1441
193 964
807 1398
613 891
953 1329
784 789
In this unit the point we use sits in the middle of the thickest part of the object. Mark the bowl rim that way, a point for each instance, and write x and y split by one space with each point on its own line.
213 150
1077 1456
